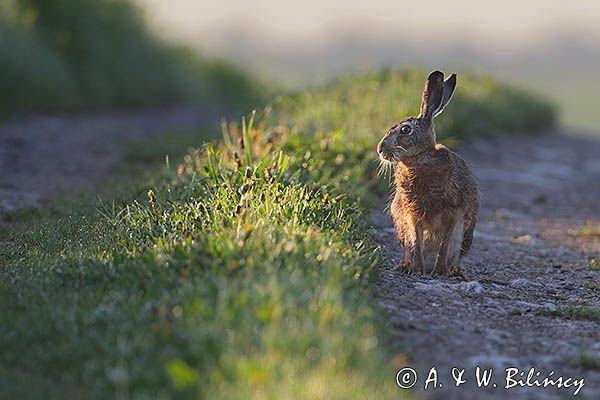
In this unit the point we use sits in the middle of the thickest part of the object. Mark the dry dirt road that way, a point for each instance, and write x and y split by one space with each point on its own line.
527 268
41 156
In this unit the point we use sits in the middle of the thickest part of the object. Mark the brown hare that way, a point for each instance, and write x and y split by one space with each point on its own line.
436 197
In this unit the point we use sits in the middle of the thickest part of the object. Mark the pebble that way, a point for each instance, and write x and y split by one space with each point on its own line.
528 306
533 306
471 287
492 360
437 286
523 239
568 286
520 282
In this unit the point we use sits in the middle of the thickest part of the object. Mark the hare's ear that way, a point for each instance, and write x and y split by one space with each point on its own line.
449 86
432 95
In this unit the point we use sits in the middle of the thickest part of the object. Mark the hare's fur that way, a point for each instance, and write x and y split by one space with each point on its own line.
434 210
436 197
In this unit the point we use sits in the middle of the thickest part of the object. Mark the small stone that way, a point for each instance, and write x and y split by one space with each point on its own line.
520 282
436 287
471 287
568 286
492 303
523 239
491 360
527 306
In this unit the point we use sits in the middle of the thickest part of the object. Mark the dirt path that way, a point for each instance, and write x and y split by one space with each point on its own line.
40 156
526 262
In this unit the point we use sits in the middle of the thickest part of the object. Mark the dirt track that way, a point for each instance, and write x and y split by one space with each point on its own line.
43 155
526 261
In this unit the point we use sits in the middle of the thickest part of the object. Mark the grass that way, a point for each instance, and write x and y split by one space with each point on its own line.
244 270
588 362
589 231
365 106
79 55
575 312
592 286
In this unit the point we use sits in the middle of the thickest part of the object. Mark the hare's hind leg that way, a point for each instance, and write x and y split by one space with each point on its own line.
454 268
441 262
418 259
446 262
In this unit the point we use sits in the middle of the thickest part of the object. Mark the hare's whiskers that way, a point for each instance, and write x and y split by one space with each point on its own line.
385 168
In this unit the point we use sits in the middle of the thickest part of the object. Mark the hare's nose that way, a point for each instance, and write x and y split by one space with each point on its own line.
381 146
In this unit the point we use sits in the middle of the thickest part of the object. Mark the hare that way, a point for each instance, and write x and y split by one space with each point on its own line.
436 197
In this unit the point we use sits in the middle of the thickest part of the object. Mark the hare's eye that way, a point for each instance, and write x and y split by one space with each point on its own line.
405 129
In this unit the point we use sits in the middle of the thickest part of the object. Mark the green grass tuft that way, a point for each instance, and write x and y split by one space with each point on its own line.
575 312
589 231
588 362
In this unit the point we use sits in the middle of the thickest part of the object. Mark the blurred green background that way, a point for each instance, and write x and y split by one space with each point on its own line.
95 54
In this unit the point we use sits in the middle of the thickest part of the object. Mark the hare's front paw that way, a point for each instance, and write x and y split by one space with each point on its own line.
448 271
410 267
456 271
439 269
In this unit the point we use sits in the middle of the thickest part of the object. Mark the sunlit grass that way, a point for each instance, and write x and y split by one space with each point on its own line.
590 231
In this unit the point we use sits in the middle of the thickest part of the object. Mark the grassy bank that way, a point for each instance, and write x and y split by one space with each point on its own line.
356 111
244 270
74 55
366 105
